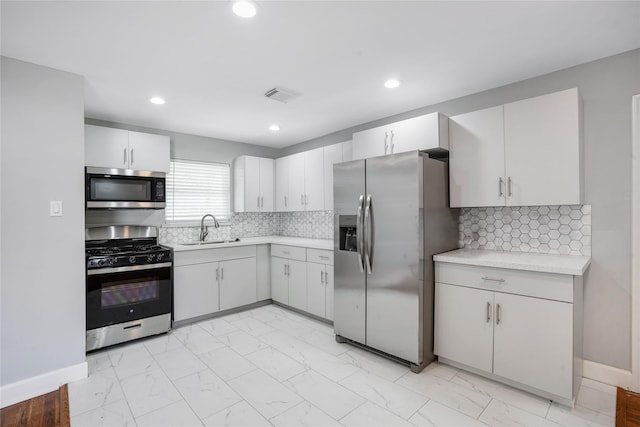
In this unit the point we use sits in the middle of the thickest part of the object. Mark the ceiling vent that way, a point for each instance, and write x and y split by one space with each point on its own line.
280 94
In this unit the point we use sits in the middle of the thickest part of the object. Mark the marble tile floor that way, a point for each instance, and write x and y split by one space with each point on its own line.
270 366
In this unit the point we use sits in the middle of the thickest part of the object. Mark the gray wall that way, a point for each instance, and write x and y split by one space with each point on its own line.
606 86
42 314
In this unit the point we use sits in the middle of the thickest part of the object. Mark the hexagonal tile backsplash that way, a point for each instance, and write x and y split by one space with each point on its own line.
541 229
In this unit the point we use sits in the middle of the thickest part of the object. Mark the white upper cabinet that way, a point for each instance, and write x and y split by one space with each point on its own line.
427 132
332 155
476 158
314 180
543 150
526 153
121 149
283 201
296 182
300 181
253 184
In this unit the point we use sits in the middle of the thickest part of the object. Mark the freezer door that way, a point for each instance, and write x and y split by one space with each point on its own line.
394 251
349 278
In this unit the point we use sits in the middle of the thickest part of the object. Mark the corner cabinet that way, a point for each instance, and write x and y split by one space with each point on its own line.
207 281
525 153
427 132
253 179
122 149
519 327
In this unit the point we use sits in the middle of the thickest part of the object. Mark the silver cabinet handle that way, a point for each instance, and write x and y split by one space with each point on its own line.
258 202
285 269
509 187
326 278
222 273
285 201
302 199
217 274
392 145
306 199
286 252
498 314
368 253
500 184
322 277
491 279
359 234
261 201
386 146
288 270
132 156
125 157
323 257
488 311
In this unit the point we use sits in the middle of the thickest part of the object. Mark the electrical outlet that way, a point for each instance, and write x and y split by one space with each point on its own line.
55 208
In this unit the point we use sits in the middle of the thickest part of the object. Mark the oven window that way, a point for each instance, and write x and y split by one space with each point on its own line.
124 292
120 189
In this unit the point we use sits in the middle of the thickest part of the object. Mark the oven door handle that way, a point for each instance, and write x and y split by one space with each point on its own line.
109 270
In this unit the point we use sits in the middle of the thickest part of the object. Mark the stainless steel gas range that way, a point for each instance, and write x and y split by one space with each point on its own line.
128 284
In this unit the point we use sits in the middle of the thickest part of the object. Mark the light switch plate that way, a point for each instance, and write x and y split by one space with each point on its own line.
55 208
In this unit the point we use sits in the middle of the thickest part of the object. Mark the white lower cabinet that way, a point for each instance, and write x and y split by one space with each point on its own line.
519 327
210 280
320 283
303 278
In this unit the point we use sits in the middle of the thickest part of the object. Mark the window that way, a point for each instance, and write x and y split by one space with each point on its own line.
195 189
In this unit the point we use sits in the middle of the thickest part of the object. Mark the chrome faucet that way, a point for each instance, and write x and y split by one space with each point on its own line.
204 229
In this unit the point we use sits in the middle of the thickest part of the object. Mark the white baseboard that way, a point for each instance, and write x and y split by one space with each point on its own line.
607 374
41 384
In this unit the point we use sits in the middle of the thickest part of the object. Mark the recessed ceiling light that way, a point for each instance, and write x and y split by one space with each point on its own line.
244 8
157 100
391 84
274 128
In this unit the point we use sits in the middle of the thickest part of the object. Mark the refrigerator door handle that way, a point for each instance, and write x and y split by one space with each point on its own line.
359 234
368 253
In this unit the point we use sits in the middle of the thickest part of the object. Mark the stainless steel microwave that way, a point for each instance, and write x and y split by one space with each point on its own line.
124 189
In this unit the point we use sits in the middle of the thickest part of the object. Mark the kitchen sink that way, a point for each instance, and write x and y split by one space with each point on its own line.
211 242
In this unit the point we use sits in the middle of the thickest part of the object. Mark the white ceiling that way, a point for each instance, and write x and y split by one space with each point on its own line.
213 67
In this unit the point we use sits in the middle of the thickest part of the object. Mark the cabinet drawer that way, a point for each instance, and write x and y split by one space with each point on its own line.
551 286
320 256
290 252
212 255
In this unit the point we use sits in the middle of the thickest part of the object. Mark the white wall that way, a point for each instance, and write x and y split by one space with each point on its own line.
42 317
606 86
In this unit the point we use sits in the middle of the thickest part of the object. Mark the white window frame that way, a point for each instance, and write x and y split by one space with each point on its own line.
223 219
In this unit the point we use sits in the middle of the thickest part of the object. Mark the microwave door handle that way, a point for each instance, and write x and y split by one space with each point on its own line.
359 235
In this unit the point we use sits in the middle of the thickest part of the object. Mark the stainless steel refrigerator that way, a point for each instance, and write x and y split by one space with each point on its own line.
391 216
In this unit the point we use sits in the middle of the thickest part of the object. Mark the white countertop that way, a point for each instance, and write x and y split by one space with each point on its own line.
263 240
547 263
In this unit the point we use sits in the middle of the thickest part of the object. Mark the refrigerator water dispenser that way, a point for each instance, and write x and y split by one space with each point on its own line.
348 234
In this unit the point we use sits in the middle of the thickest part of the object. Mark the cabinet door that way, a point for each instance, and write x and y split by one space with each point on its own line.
296 182
314 179
106 147
543 150
371 142
316 289
282 184
463 328
418 133
266 185
297 284
195 290
251 184
329 292
476 159
332 155
533 342
237 283
149 152
279 280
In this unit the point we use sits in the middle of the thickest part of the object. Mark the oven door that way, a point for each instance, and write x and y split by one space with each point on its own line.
117 295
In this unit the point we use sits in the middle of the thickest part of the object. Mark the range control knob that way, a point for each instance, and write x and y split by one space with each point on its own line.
150 258
112 261
132 259
160 256
101 261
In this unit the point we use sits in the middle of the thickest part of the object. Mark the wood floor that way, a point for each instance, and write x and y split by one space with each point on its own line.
627 408
48 410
